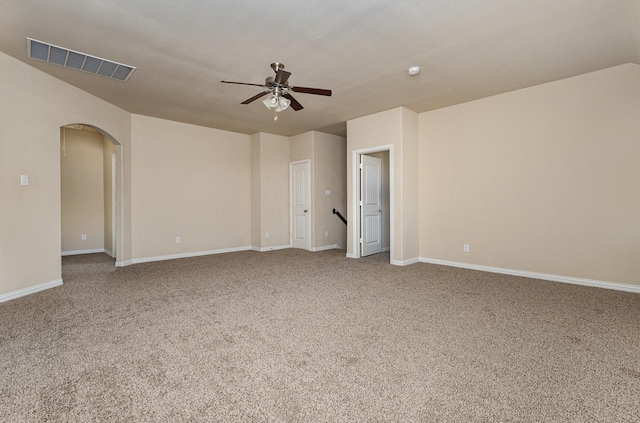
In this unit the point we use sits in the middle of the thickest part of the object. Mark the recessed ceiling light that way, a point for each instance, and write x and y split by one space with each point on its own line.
413 70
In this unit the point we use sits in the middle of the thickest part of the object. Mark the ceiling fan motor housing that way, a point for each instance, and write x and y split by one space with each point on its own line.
277 66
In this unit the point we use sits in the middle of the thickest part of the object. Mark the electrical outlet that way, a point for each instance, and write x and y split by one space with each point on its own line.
178 240
326 234
466 248
266 234
83 237
24 180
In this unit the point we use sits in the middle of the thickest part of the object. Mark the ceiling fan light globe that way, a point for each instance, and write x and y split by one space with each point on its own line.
271 101
283 104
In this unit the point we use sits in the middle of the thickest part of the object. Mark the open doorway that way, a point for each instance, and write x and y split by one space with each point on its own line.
88 187
372 231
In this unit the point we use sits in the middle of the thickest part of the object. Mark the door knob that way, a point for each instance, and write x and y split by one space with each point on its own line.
305 210
379 210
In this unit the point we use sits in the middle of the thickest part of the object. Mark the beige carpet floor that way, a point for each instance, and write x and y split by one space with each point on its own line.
293 336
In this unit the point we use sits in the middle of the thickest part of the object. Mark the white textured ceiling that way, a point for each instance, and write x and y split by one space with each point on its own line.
467 49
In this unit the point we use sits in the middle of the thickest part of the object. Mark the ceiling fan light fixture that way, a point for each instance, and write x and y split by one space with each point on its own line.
277 103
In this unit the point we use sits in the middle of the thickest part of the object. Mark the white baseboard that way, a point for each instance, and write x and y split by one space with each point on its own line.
535 275
185 255
206 253
109 253
30 290
325 248
385 249
405 262
77 252
274 248
351 255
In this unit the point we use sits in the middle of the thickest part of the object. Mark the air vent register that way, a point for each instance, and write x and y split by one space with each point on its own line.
50 53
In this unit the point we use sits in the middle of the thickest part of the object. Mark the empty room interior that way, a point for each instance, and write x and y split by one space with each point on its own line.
320 211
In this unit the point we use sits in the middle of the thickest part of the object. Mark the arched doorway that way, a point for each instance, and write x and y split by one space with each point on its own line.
89 187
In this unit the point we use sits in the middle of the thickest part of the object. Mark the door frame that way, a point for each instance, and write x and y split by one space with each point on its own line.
310 198
114 204
356 247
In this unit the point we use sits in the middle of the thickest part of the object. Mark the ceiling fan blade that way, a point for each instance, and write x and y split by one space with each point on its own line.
255 97
282 77
306 90
243 83
294 103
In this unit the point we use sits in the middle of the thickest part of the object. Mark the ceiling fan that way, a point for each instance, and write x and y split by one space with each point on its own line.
279 91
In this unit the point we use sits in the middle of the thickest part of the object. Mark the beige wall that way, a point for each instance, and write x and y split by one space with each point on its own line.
256 191
188 181
543 179
409 187
33 108
270 191
82 190
301 147
329 173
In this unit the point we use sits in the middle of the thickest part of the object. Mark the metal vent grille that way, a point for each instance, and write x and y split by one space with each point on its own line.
49 53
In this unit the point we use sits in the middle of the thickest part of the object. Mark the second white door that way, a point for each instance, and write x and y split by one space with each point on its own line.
371 209
301 205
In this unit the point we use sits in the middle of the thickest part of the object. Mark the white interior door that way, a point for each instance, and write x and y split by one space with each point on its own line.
371 205
301 205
